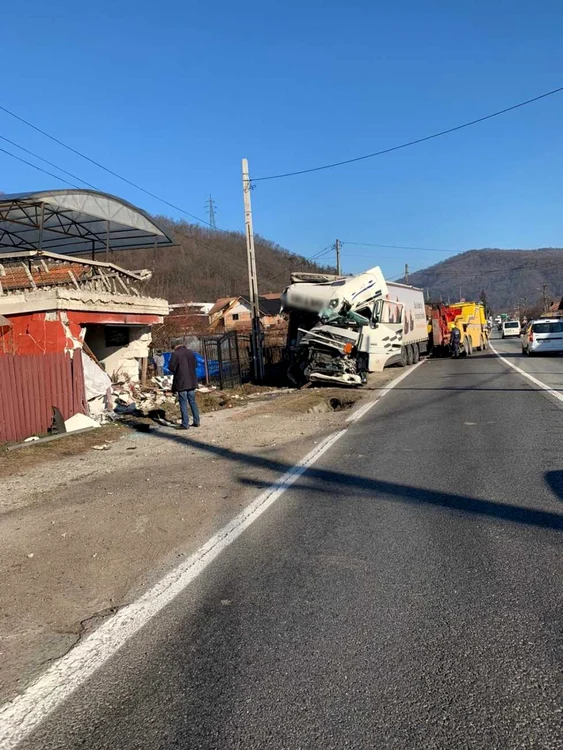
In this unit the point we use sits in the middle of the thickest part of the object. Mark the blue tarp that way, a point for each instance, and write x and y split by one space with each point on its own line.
212 366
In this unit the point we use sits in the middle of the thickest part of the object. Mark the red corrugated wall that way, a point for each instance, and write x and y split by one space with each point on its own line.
31 385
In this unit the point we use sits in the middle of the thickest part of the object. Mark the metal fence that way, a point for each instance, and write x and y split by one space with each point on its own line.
29 388
228 360
223 360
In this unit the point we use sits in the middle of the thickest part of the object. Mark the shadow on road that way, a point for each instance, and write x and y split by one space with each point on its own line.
332 482
554 480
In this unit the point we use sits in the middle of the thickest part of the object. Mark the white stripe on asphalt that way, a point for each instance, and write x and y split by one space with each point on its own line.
22 715
527 375
359 413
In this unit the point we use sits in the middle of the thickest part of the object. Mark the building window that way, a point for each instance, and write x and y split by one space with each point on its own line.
116 335
235 316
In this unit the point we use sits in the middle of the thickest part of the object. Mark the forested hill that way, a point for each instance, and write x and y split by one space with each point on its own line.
508 277
209 263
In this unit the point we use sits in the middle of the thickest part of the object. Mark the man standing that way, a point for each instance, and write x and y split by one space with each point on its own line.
183 365
455 341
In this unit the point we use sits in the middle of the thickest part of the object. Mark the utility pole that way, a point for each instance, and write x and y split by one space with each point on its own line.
211 208
544 295
406 273
337 248
256 339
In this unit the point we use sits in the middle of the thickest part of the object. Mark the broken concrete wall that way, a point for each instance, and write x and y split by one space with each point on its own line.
120 360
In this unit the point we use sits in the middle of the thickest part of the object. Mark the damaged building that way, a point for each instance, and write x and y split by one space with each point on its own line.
68 310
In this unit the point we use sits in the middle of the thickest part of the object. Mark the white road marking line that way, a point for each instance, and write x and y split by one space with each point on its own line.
359 413
23 714
527 375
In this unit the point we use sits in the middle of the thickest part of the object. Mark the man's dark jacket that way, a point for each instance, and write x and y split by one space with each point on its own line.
183 365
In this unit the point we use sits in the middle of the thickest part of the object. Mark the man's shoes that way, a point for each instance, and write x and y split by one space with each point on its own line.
196 425
181 427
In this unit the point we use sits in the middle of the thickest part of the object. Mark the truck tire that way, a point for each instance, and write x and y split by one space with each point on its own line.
403 362
416 353
481 346
410 354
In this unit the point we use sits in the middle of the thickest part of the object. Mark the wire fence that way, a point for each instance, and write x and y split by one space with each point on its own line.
227 359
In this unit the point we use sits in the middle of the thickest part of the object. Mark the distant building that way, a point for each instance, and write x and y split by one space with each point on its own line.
190 317
235 313
557 306
270 304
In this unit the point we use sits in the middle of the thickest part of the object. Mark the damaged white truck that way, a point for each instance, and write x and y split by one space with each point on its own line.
342 327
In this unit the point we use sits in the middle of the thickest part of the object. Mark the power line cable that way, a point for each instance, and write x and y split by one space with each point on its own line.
457 273
40 169
410 143
399 247
106 169
50 163
322 252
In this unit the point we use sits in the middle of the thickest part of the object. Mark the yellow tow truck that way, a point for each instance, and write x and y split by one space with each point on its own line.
468 317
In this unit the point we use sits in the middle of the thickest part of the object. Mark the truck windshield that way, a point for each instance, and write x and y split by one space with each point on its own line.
512 324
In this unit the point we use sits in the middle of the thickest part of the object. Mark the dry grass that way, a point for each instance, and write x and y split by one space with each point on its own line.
16 462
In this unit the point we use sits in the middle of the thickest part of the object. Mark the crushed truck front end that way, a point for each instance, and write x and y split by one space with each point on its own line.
341 329
326 320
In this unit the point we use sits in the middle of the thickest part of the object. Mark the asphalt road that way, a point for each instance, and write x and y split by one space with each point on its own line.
545 367
404 593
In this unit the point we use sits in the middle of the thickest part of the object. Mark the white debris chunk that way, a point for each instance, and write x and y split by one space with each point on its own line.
79 422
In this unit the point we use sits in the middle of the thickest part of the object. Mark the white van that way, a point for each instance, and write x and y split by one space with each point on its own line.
511 328
543 336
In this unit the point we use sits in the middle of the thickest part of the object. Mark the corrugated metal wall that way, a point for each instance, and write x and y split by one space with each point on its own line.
31 385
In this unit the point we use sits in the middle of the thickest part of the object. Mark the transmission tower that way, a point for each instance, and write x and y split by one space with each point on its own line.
211 208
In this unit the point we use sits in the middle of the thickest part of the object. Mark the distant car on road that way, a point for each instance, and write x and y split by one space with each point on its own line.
543 336
511 328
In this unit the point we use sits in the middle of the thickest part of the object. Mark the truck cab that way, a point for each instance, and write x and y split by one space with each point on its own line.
341 328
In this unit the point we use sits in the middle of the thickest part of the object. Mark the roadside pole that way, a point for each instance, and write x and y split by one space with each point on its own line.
256 338
337 247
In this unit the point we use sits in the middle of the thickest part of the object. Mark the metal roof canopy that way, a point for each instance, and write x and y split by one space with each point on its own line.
76 222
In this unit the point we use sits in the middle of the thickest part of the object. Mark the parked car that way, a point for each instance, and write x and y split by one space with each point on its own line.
543 336
511 328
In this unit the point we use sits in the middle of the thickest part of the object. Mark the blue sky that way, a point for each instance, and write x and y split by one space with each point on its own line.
172 95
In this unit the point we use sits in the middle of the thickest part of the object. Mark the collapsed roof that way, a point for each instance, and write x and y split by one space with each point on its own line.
22 270
75 222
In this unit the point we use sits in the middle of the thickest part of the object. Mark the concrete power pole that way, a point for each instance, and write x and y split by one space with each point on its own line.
406 273
544 295
257 350
337 247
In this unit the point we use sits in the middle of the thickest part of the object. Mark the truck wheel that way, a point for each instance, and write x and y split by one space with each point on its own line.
416 354
470 343
481 346
404 361
410 354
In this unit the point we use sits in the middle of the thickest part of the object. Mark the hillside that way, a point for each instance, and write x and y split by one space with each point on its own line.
208 264
508 277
